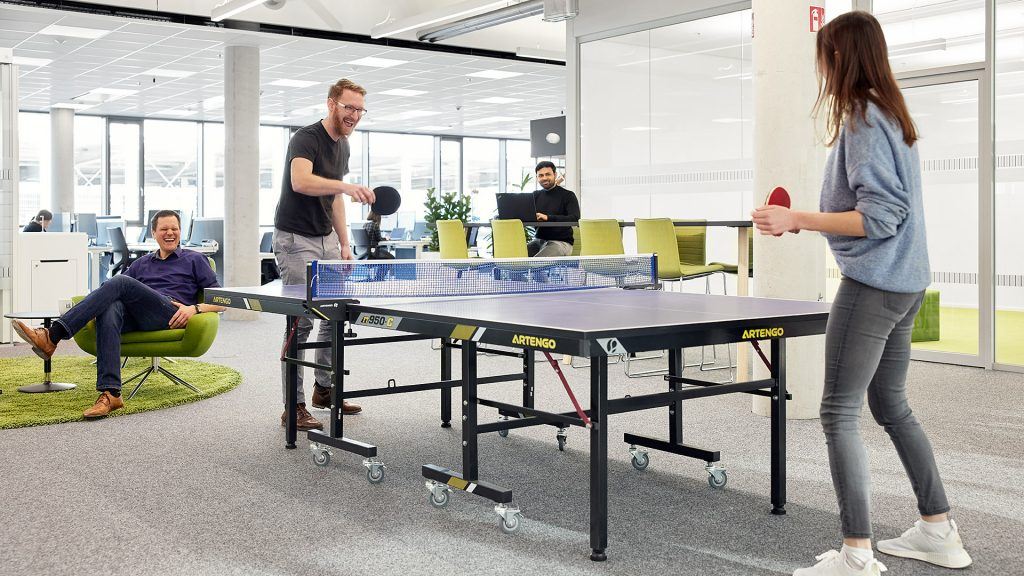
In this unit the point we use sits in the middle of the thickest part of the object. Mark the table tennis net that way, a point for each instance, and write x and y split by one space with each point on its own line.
475 277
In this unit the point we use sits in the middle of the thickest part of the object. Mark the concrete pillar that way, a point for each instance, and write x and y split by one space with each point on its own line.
788 152
9 224
241 170
62 160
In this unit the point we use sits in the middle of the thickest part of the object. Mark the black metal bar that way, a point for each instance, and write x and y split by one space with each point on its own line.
760 392
634 403
529 373
598 458
446 374
337 379
779 427
456 480
675 410
673 447
291 388
315 345
347 444
297 362
572 420
439 385
470 457
386 339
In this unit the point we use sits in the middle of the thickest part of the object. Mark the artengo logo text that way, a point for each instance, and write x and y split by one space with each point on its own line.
533 341
221 300
760 333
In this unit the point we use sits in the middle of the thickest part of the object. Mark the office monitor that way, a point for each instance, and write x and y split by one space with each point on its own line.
103 226
86 222
61 222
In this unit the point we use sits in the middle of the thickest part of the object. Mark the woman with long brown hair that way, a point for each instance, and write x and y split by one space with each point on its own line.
873 218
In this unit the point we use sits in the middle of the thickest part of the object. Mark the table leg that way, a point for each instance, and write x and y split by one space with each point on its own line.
598 458
446 374
778 427
47 385
291 388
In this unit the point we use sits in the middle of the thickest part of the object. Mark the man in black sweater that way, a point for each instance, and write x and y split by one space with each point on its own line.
554 204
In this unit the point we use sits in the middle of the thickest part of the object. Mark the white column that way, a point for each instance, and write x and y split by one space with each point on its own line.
62 160
788 152
241 170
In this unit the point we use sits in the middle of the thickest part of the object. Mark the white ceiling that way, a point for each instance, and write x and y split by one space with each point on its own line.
122 59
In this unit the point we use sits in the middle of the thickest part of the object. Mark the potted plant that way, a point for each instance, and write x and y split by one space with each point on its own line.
449 206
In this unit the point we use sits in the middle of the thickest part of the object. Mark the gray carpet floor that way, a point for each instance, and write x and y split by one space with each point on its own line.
208 488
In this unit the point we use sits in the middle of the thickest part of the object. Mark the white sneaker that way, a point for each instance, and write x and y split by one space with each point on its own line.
914 543
833 563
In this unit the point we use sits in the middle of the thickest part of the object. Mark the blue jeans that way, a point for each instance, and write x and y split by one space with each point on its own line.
121 304
867 349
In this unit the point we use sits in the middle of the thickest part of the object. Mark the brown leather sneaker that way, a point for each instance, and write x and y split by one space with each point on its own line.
39 338
303 419
104 405
322 399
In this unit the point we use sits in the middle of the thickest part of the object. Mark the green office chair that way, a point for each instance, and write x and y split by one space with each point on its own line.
192 341
451 235
509 239
600 237
734 268
577 243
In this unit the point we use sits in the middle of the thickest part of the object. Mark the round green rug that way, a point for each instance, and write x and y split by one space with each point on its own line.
18 409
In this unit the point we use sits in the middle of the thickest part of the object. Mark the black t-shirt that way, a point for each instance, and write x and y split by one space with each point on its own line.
311 215
559 205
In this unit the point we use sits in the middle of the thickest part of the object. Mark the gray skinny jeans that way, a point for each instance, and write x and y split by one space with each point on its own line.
867 348
292 252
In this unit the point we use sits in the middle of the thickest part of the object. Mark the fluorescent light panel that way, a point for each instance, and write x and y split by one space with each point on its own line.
374 62
499 100
176 112
494 74
230 8
168 73
402 92
294 83
26 61
74 32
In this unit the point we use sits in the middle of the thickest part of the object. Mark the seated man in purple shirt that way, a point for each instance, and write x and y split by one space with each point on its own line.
159 291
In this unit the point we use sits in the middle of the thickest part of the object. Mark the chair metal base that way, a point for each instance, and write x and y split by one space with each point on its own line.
156 367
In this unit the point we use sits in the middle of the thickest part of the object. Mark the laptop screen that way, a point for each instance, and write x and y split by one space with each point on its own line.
517 206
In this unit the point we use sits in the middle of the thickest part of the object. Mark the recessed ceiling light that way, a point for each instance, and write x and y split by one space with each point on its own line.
273 118
168 73
499 100
489 120
26 61
403 92
104 94
294 83
375 62
176 112
72 105
494 74
73 31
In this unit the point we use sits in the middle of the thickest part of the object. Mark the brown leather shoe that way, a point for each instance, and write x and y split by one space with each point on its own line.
39 338
104 405
322 399
303 419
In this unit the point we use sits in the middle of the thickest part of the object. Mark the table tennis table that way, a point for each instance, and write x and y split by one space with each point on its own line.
593 322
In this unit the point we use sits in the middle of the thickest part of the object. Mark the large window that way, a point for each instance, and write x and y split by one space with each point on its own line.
89 183
213 170
480 175
273 153
171 160
126 170
925 34
405 161
519 166
33 164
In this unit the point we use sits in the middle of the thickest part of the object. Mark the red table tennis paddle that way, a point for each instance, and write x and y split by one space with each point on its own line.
387 200
778 197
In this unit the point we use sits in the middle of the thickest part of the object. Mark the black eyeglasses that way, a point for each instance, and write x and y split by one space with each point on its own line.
352 109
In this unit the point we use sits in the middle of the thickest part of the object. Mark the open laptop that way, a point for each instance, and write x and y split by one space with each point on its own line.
517 206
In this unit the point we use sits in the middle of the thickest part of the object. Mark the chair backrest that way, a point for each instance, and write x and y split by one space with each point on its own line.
509 239
267 242
119 251
600 238
577 243
657 236
451 235
692 242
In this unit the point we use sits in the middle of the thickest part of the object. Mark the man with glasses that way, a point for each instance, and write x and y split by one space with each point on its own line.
309 223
